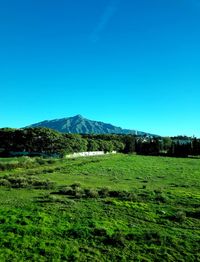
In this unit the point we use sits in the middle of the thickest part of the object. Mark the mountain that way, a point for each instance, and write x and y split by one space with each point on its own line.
80 125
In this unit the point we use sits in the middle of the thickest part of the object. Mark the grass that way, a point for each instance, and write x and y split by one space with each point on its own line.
108 208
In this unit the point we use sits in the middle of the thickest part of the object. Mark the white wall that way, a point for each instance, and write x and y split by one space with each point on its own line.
85 154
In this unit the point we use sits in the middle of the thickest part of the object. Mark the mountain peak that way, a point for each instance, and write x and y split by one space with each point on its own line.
79 124
78 117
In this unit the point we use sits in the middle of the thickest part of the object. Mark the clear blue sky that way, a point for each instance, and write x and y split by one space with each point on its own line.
132 63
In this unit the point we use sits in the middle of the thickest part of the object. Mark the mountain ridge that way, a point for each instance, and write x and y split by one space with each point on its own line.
80 125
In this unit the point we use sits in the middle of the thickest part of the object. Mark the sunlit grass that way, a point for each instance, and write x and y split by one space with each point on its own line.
110 208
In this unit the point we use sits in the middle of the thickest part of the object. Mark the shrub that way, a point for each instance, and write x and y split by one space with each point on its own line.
117 239
153 237
161 198
66 191
48 198
40 161
76 191
194 214
24 182
91 193
79 192
114 193
124 195
100 232
158 191
9 166
180 216
156 195
44 184
75 185
51 161
25 162
104 191
49 170
79 231
18 182
4 182
130 196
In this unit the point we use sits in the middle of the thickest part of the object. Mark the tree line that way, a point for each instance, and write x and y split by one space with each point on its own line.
47 142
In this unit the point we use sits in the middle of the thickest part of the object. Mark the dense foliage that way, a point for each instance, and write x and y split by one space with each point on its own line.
47 142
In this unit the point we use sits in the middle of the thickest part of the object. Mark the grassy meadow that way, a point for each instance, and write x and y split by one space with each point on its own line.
106 208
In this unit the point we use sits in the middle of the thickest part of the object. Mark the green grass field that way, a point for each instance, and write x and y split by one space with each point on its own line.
109 208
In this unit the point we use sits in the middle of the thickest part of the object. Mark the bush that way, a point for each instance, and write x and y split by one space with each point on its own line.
117 239
156 195
153 237
18 182
75 185
161 198
79 232
180 216
194 214
25 162
66 191
40 161
48 198
24 182
4 182
124 195
130 196
9 166
79 192
44 184
104 191
75 191
114 193
100 232
51 161
91 193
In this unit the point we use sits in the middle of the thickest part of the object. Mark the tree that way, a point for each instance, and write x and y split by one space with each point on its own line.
129 144
167 143
118 146
196 146
92 145
78 144
105 146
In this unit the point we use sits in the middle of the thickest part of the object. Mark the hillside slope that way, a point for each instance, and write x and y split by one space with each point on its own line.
81 125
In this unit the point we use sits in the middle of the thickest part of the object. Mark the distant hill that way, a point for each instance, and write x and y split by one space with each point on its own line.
80 125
